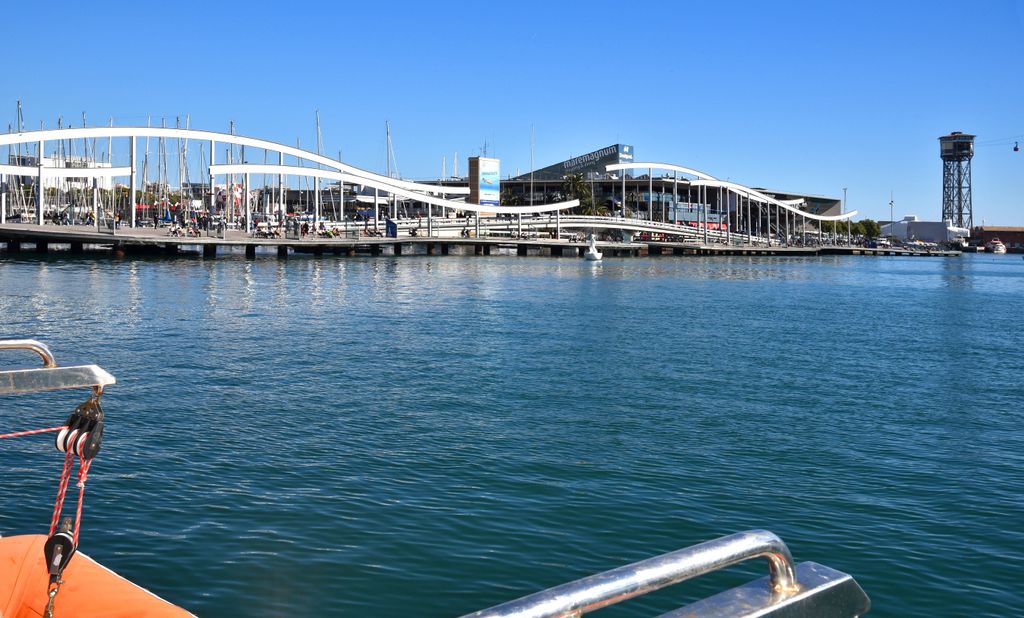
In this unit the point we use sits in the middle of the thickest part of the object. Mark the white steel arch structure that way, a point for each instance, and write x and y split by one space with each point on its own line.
788 205
706 180
785 210
327 167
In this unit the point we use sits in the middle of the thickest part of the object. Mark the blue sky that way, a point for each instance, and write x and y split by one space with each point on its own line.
801 96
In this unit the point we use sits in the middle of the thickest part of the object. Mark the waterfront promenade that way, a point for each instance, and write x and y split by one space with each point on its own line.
717 217
138 241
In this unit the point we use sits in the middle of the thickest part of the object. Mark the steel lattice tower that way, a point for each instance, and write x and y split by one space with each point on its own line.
956 150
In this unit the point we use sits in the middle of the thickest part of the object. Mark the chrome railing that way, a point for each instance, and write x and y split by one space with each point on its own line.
50 377
30 344
825 591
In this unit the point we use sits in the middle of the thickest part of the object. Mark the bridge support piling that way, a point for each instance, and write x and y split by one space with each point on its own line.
210 251
318 251
76 247
336 250
282 252
398 248
250 252
42 247
444 248
522 250
171 249
13 246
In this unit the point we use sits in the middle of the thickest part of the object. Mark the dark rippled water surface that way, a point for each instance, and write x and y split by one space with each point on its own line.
431 436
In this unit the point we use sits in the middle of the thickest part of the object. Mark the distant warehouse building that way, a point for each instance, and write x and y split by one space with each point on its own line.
912 228
1011 236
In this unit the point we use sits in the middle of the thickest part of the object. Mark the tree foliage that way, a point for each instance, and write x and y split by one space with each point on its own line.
870 228
576 188
508 198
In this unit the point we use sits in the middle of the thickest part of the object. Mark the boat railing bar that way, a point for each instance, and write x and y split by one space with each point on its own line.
38 347
829 592
50 377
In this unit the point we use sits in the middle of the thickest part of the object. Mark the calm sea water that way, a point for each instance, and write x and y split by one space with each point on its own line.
431 436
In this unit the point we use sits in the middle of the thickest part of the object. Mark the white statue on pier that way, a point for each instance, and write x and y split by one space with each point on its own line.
592 254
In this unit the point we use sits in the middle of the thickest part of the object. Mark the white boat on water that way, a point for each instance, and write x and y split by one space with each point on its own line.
592 254
995 246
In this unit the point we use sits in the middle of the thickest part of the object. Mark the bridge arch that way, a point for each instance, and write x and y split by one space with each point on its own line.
327 167
706 180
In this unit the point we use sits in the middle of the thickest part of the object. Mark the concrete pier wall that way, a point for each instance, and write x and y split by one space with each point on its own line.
147 241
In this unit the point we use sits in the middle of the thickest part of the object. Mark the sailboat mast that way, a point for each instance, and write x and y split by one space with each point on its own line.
162 176
387 155
229 195
110 146
316 185
145 165
184 156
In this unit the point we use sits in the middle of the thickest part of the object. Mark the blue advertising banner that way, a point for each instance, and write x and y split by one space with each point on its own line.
490 181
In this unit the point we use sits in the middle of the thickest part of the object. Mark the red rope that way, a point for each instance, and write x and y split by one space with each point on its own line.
62 489
83 475
31 432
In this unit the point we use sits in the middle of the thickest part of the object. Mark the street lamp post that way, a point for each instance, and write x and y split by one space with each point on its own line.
848 229
892 223
593 196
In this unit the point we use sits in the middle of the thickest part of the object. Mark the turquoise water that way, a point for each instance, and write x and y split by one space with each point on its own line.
431 436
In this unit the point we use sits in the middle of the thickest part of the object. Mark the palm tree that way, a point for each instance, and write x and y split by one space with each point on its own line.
600 210
576 188
632 196
508 198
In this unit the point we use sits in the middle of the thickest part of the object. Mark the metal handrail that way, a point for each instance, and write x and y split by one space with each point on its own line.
597 591
49 377
38 347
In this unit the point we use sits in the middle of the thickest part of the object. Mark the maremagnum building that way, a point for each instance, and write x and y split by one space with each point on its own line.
652 195
636 192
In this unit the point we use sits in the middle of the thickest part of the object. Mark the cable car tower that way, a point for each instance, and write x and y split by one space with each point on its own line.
956 150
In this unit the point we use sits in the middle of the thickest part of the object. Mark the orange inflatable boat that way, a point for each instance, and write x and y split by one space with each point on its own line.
89 588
